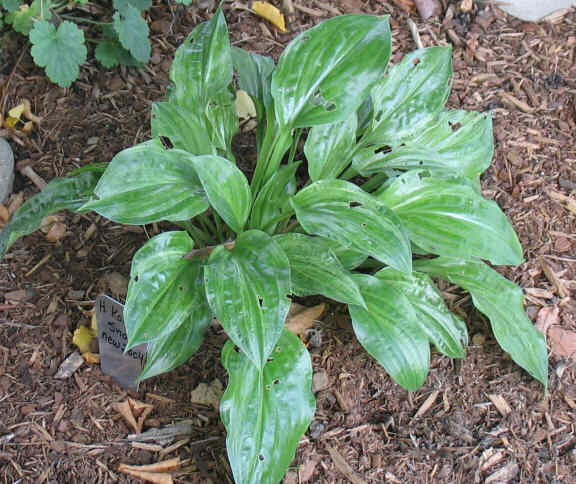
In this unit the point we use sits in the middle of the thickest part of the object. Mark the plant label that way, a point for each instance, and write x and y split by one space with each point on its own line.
124 367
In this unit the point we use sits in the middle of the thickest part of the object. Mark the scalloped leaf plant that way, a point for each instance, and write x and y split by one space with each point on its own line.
384 197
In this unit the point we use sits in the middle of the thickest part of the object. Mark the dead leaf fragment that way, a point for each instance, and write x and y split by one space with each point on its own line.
4 214
69 366
57 232
270 13
547 317
428 8
344 467
208 394
153 477
163 466
245 108
562 342
133 412
500 403
300 322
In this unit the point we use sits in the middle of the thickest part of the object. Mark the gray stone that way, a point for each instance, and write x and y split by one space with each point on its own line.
6 170
534 10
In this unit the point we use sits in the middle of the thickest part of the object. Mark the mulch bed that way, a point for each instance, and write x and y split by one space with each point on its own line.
481 419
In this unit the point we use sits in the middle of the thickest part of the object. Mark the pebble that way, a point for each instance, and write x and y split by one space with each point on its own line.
6 170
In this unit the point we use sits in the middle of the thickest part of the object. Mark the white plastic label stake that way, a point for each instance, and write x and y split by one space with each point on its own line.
123 367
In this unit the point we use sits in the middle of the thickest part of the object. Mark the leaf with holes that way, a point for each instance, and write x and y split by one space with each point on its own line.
343 212
456 143
314 85
266 412
164 288
410 94
316 270
448 217
388 329
501 301
247 289
146 184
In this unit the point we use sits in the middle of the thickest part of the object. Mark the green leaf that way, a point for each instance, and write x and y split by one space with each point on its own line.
133 31
22 18
315 85
10 5
255 77
247 289
448 217
266 413
226 188
328 148
139 4
349 258
164 288
185 127
458 143
387 330
67 193
316 270
502 302
443 328
222 121
110 53
175 348
146 184
270 202
60 51
409 95
202 65
341 211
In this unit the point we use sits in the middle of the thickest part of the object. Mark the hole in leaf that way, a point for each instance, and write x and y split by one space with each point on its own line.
260 457
270 359
268 387
276 381
305 38
420 163
363 225
277 349
236 349
378 117
455 126
136 278
385 149
330 107
353 203
166 142
415 61
260 301
180 288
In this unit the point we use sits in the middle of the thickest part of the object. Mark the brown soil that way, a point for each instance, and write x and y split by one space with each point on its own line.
479 420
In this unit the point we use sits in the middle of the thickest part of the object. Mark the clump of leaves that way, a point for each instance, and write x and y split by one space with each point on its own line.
392 198
59 44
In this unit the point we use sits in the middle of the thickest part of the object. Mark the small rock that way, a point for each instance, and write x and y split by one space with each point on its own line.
6 170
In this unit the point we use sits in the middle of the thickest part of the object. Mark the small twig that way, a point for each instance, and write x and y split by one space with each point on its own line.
29 172
415 34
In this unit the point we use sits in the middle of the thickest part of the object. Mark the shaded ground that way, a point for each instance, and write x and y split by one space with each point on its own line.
479 420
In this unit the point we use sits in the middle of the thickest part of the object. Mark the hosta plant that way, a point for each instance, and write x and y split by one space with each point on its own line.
384 197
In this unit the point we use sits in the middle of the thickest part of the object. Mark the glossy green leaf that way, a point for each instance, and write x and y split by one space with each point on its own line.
226 187
458 143
328 148
343 212
255 77
448 217
313 84
247 289
177 347
266 412
443 328
502 302
349 258
202 65
164 287
270 204
316 270
387 329
146 184
67 193
222 121
186 129
410 94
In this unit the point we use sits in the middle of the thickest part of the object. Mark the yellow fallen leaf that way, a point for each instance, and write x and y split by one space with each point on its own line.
245 108
82 338
303 320
16 112
92 358
10 122
270 13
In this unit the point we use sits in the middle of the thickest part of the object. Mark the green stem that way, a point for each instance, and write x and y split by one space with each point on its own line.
274 147
200 237
294 147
